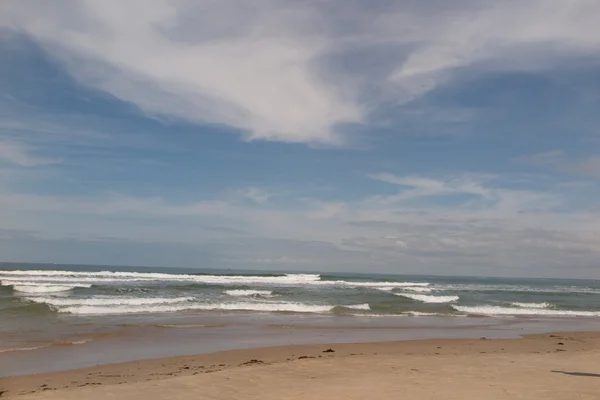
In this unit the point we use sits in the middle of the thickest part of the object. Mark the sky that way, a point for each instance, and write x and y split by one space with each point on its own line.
408 137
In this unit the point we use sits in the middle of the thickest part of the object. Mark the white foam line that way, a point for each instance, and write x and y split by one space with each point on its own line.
109 301
240 306
8 350
65 277
43 288
496 310
429 299
532 305
10 282
358 306
158 276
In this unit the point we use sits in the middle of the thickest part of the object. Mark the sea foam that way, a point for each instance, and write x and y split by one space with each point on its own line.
109 301
364 306
532 305
499 311
429 299
108 277
45 288
238 306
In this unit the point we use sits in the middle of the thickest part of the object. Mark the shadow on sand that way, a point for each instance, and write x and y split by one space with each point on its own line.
578 374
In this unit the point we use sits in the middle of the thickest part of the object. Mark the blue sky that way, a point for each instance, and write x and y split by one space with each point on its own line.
402 137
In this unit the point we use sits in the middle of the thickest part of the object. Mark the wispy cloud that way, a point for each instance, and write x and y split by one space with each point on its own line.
504 227
15 153
291 71
257 195
423 186
131 104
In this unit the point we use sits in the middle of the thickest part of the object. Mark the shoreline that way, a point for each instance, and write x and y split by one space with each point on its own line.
433 352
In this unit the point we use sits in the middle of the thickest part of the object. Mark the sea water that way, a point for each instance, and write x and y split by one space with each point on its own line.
49 309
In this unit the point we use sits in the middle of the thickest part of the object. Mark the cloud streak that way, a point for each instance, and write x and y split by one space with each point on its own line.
504 228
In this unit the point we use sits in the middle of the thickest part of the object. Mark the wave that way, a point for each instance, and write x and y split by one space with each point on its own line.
65 277
532 305
41 288
109 301
498 311
429 299
161 308
386 289
249 293
358 306
9 350
109 276
12 282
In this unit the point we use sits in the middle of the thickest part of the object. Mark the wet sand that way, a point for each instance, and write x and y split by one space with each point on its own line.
550 366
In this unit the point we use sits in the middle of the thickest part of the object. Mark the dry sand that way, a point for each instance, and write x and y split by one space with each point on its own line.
559 366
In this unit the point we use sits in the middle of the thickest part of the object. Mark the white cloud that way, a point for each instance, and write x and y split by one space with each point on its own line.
257 195
423 186
267 67
15 153
256 76
513 35
525 230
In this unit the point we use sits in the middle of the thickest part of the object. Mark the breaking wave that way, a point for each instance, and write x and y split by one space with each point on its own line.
532 305
82 278
15 349
240 306
358 306
45 288
109 301
429 299
499 311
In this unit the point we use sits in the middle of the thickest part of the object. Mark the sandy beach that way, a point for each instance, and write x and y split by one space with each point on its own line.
550 366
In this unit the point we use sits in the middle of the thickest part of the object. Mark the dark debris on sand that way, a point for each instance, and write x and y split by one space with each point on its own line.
253 361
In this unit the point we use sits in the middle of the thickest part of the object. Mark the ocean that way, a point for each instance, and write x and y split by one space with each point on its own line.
84 315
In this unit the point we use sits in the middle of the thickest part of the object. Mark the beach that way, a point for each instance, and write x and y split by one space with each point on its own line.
548 366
